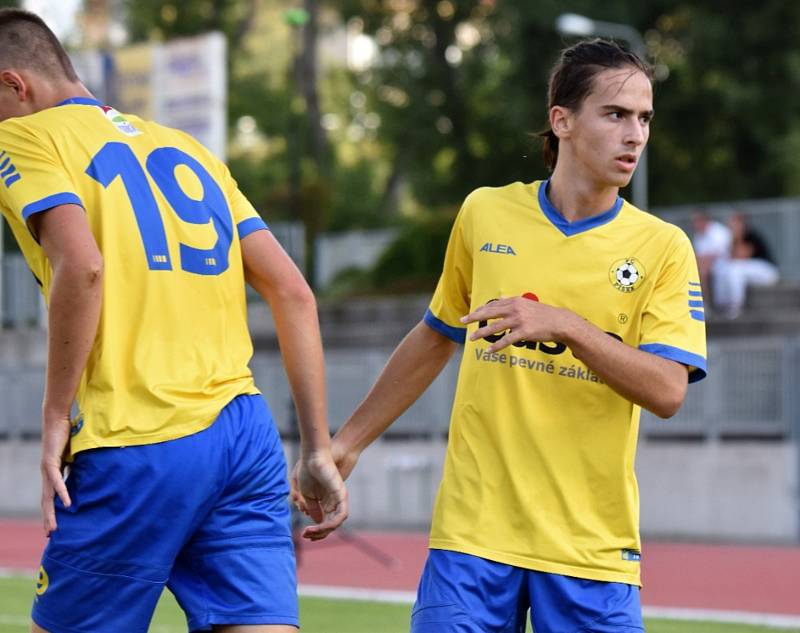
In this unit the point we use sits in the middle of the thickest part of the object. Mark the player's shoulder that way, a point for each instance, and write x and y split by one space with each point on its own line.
511 191
19 128
485 200
169 136
659 229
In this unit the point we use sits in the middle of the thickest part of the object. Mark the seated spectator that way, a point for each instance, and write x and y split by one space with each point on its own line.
712 244
750 264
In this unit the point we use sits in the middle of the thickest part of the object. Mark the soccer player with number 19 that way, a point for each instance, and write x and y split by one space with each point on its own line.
575 309
142 242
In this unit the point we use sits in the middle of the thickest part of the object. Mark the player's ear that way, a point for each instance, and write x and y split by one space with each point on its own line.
560 121
13 80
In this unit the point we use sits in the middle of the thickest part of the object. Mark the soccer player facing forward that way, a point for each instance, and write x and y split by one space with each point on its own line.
142 242
575 309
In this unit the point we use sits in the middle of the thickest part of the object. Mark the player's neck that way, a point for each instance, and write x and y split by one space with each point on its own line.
576 199
68 91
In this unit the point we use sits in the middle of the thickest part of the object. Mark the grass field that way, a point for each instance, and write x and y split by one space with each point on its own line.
317 616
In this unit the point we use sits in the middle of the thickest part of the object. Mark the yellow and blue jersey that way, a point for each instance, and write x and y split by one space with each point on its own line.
539 468
172 346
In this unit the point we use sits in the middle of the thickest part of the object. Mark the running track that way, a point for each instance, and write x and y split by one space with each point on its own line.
719 578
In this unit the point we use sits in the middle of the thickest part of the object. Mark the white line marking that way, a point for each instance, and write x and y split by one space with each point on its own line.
7 572
355 593
775 620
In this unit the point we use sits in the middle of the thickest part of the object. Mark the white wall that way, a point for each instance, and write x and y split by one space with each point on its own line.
727 490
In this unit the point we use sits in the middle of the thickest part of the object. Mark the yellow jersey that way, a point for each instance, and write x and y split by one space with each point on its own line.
539 471
172 346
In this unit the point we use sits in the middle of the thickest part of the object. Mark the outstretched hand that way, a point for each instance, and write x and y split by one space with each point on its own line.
319 492
55 438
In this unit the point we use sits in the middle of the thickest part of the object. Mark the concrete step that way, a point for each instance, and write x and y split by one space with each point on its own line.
755 322
781 296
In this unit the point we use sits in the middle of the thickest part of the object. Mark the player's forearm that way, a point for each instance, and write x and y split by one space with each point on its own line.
297 326
74 312
413 366
655 383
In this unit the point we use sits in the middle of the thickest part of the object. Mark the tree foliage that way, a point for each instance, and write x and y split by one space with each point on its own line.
458 87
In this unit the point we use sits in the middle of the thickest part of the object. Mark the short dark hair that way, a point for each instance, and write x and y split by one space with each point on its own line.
27 42
572 79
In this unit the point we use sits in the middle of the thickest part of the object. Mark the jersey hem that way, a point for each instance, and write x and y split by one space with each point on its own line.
250 225
536 564
267 619
696 363
455 334
153 438
45 204
51 626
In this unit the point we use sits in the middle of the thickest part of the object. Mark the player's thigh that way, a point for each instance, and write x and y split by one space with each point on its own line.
239 566
132 510
563 604
461 593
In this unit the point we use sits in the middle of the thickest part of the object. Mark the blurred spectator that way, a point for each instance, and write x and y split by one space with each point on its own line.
750 264
712 242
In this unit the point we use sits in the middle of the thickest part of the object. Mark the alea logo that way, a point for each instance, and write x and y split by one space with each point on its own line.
503 249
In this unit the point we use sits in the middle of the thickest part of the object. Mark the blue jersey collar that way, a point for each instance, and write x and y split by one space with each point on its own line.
80 101
579 226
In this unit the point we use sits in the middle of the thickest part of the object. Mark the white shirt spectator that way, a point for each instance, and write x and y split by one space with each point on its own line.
714 241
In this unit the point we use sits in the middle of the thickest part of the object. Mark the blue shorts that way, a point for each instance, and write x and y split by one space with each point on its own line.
207 515
460 593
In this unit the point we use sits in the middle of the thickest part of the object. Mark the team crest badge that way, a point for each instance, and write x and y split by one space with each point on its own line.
42 582
626 275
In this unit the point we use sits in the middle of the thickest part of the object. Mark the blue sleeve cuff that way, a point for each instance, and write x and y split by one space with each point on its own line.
250 225
457 334
681 356
49 202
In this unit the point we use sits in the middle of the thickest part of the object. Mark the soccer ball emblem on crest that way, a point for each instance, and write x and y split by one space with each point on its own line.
626 275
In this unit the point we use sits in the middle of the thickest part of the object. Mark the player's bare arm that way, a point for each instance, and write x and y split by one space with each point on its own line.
657 384
273 274
75 298
413 366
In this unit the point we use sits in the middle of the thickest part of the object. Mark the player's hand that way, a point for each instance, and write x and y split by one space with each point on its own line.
520 318
55 438
319 492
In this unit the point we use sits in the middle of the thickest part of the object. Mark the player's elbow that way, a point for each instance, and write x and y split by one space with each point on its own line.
95 271
92 271
295 293
670 401
83 274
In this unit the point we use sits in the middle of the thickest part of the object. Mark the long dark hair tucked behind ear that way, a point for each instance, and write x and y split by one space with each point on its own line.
27 42
572 77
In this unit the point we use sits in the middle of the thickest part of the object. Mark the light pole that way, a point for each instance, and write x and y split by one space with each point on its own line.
580 25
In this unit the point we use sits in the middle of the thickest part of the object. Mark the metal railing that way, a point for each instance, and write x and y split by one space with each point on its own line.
21 299
750 392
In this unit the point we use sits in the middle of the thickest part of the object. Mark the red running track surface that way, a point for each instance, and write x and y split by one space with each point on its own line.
681 575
